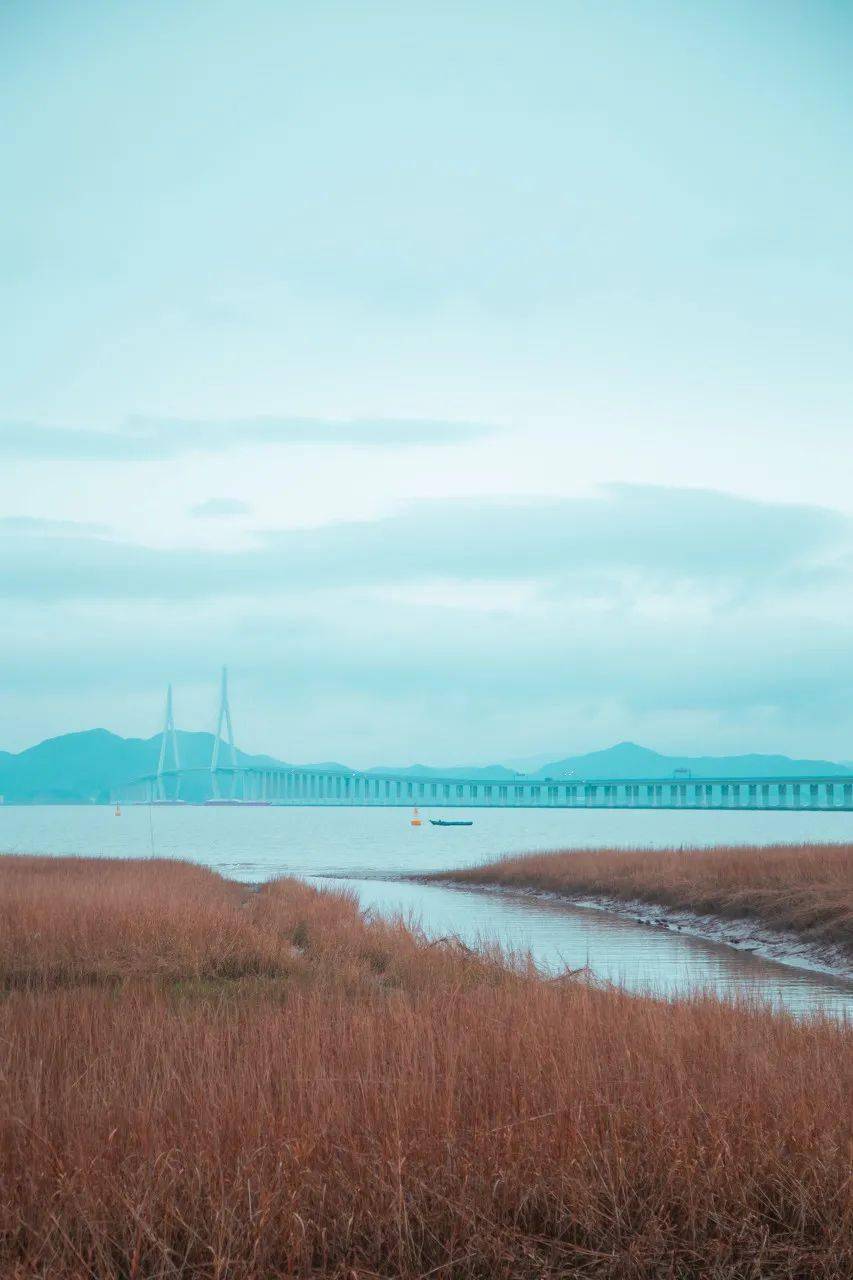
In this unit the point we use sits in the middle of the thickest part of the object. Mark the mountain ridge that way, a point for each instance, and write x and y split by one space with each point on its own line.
629 760
87 766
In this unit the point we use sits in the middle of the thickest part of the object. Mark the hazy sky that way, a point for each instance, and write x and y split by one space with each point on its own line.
474 379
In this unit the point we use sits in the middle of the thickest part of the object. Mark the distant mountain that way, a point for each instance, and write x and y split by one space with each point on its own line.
498 771
79 768
528 764
83 767
628 760
328 766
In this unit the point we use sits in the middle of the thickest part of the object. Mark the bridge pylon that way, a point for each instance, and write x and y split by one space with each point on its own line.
168 738
224 718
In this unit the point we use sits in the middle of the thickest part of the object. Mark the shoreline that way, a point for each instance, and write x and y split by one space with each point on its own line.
741 933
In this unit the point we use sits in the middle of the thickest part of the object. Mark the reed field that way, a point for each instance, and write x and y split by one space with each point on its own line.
201 1080
807 889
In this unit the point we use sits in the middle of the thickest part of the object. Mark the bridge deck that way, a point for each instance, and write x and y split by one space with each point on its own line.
308 786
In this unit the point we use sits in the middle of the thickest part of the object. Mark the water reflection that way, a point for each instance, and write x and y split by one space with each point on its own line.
639 957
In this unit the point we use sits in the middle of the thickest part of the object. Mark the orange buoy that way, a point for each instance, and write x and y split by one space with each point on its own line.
416 822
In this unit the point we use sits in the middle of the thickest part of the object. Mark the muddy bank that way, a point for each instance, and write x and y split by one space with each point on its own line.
741 933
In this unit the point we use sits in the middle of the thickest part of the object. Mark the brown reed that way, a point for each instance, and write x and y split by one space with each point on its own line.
201 1080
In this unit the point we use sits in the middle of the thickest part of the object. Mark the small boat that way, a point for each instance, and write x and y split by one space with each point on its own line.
452 822
416 821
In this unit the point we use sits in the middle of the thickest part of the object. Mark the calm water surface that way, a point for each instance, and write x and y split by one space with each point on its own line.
365 849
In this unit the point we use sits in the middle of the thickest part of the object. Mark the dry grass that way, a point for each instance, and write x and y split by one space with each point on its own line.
67 921
341 1098
804 888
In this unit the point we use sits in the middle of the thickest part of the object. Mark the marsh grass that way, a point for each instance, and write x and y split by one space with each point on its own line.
272 1085
807 889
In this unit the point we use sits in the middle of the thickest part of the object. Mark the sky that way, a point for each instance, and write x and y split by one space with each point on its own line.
473 379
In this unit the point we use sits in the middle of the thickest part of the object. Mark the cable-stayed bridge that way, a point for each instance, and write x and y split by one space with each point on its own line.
228 782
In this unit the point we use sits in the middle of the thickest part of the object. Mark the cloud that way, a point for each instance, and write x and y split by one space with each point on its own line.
653 541
157 439
12 525
340 675
686 619
216 507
